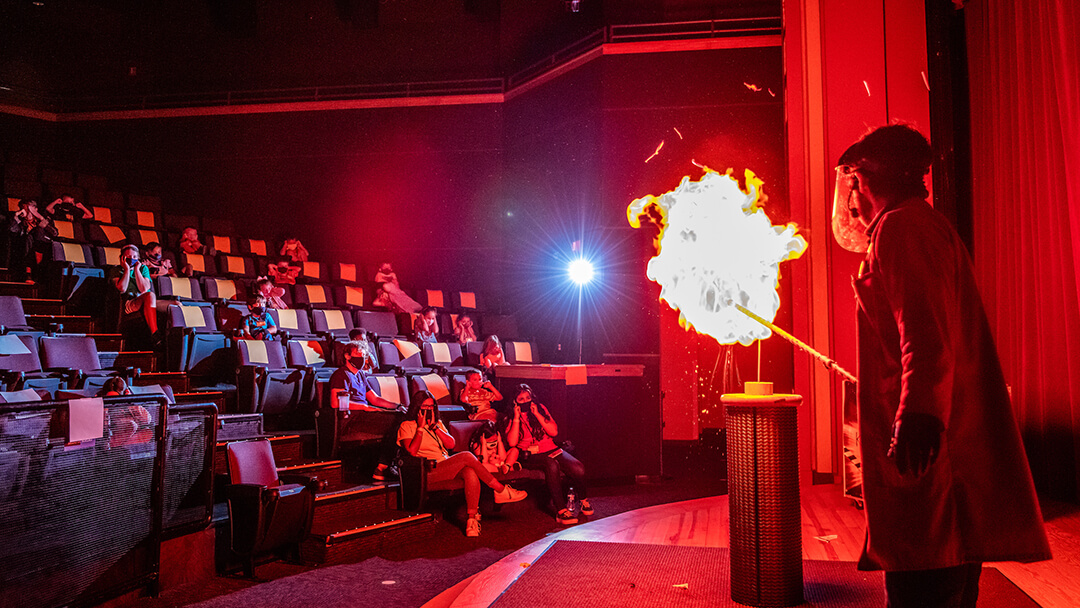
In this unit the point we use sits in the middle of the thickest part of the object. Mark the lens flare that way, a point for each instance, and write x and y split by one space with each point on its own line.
581 271
717 248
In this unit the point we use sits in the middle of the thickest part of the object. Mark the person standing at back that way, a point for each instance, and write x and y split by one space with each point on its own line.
946 482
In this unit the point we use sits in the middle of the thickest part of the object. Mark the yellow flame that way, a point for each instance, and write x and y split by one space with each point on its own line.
717 248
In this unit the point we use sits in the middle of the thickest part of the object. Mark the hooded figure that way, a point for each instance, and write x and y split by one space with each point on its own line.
946 482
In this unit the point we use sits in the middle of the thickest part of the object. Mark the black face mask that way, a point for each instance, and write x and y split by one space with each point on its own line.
524 404
258 310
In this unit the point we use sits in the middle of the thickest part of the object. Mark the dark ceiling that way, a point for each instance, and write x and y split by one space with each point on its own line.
66 48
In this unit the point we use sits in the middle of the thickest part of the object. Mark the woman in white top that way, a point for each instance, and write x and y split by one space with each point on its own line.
423 434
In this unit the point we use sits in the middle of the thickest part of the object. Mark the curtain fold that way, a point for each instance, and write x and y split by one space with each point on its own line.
1023 60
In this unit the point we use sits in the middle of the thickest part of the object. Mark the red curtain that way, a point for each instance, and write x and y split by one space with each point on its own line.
1024 71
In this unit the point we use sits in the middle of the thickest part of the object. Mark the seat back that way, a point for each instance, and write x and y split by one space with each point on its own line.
27 394
351 296
11 312
431 297
293 320
406 352
214 288
148 220
106 256
520 352
266 353
229 315
309 353
344 273
236 265
28 362
443 354
383 323
66 230
200 264
473 351
331 321
222 244
254 247
105 234
389 387
314 295
199 318
465 301
433 383
143 236
312 272
77 254
181 288
77 352
252 462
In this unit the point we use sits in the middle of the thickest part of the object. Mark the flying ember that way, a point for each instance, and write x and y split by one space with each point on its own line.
717 248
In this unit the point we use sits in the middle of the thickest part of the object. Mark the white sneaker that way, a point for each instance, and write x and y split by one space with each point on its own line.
472 526
510 495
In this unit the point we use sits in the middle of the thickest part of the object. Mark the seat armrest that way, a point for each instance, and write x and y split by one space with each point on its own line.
311 482
412 486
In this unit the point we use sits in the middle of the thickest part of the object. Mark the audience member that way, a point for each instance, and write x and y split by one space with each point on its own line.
283 272
190 244
133 282
532 430
294 250
67 208
375 415
271 293
29 233
258 324
478 395
426 326
463 330
423 434
492 354
127 425
159 265
389 294
366 341
490 449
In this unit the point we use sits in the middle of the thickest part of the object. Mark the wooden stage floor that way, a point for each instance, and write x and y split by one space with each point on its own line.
832 529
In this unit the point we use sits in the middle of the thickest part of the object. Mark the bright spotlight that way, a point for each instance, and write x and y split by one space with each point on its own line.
581 271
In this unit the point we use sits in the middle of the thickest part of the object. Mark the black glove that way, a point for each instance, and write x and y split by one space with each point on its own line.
916 442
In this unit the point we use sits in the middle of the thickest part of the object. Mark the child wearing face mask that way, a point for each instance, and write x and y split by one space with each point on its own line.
158 265
258 325
283 272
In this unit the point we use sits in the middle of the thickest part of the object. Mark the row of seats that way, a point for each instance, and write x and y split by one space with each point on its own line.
53 363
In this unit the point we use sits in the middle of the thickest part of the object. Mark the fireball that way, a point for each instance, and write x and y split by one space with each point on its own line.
717 248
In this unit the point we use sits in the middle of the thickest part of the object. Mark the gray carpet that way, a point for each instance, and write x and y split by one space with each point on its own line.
372 582
620 575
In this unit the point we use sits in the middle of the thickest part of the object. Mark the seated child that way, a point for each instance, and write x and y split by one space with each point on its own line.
294 250
258 325
426 326
488 446
67 208
127 425
189 242
265 287
283 272
478 395
463 329
492 354
158 265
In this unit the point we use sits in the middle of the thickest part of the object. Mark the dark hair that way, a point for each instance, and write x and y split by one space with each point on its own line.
488 341
186 228
255 299
115 384
426 309
151 245
486 429
26 202
535 428
898 157
471 373
417 400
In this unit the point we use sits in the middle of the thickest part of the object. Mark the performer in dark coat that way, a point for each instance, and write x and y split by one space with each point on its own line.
945 476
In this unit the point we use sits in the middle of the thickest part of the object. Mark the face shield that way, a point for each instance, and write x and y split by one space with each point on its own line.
847 227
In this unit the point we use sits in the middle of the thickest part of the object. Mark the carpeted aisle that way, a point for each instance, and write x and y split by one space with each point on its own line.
619 575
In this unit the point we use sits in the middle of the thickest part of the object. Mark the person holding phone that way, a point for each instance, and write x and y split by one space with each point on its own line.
532 430
424 435
133 283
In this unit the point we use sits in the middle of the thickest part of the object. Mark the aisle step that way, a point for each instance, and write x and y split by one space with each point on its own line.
72 324
42 306
177 380
347 506
353 545
14 288
327 471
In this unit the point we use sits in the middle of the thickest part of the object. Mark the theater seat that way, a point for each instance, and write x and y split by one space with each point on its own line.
12 315
294 321
78 354
265 513
265 384
444 356
520 352
195 345
24 371
401 357
383 324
